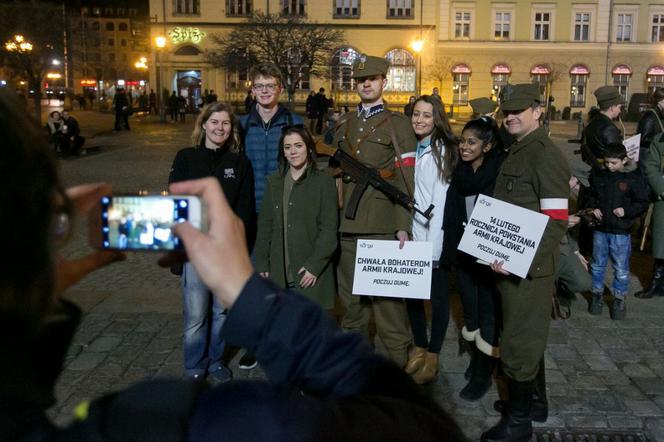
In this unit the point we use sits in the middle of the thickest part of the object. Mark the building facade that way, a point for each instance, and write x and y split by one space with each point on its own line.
471 48
111 39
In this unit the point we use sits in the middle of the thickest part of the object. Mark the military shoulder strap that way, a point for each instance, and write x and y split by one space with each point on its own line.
661 125
399 154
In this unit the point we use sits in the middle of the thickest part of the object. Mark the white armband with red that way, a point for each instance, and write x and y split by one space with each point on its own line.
555 208
406 160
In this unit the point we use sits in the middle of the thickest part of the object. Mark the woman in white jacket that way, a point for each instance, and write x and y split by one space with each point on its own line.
437 156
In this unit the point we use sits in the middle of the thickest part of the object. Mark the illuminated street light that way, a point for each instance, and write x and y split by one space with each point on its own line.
55 62
417 46
18 44
160 41
53 76
142 63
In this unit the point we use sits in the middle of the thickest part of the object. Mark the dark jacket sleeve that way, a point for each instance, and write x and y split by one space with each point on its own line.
648 127
264 232
246 202
178 169
328 224
610 134
639 196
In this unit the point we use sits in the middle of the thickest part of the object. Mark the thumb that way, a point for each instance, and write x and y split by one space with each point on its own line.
189 235
301 270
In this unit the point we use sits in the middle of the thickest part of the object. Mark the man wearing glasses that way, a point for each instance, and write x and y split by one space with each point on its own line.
535 176
369 134
601 131
260 132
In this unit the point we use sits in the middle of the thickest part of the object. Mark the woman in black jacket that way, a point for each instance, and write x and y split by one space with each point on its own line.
481 157
215 154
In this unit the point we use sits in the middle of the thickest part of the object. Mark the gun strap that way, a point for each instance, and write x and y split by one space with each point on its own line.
397 149
661 126
353 150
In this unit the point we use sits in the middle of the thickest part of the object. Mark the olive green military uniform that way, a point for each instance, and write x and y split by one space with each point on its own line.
535 175
368 139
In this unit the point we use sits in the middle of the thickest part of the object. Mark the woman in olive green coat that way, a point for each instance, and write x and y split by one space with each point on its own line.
298 221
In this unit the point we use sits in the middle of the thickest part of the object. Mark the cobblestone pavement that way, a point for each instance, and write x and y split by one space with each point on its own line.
601 374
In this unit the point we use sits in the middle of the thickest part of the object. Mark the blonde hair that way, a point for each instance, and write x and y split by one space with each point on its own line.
198 135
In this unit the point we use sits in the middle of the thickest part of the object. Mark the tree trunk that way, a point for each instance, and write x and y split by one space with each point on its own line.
36 99
291 100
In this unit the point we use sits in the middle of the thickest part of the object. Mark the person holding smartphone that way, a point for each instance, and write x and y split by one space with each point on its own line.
214 154
297 226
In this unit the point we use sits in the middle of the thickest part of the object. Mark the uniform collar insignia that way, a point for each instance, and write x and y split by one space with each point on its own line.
370 112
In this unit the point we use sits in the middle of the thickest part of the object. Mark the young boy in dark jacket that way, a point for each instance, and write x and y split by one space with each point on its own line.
618 195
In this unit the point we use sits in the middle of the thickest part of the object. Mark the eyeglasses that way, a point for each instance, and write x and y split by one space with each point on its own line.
265 87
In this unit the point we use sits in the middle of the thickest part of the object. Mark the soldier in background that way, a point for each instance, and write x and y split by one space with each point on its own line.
601 131
535 175
367 134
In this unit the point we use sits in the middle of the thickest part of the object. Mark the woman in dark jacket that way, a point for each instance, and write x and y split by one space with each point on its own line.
481 157
297 227
215 154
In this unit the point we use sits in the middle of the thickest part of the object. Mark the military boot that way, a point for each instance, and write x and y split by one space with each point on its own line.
596 304
656 286
619 309
481 379
516 424
540 409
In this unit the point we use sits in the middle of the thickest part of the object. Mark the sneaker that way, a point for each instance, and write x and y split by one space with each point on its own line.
619 309
220 375
596 304
248 361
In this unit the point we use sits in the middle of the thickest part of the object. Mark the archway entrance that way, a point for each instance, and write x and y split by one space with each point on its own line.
189 86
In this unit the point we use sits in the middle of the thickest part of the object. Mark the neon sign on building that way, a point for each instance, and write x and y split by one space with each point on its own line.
180 35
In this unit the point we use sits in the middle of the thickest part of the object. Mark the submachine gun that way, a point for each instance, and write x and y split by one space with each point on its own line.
364 176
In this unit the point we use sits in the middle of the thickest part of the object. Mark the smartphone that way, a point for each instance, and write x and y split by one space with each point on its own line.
143 222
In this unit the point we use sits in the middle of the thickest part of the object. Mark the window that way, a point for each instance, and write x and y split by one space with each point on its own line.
401 73
657 28
123 42
498 82
110 42
655 78
121 12
502 25
111 57
96 11
123 27
108 11
95 26
295 65
460 86
582 26
542 26
187 7
624 27
578 90
400 8
133 12
341 69
462 24
621 81
96 42
110 26
238 8
238 71
85 10
292 7
346 8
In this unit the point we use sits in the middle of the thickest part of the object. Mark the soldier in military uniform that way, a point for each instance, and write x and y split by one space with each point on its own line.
369 135
535 176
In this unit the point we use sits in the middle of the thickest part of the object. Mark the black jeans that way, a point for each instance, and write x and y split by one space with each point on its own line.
479 298
440 313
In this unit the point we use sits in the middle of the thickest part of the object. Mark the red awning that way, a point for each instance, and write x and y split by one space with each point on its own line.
461 68
501 68
540 69
656 70
621 69
579 69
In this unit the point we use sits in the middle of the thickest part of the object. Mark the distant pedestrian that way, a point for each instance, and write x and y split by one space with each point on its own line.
311 109
173 104
249 101
152 100
71 134
212 97
618 195
322 105
408 108
182 108
54 126
121 106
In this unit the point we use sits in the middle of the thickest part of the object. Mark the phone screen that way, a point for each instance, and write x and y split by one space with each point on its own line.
142 222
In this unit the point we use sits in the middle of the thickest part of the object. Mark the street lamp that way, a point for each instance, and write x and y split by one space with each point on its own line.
160 42
18 44
142 63
417 46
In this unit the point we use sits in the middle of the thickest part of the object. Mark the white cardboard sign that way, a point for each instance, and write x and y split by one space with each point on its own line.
632 145
382 269
502 231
